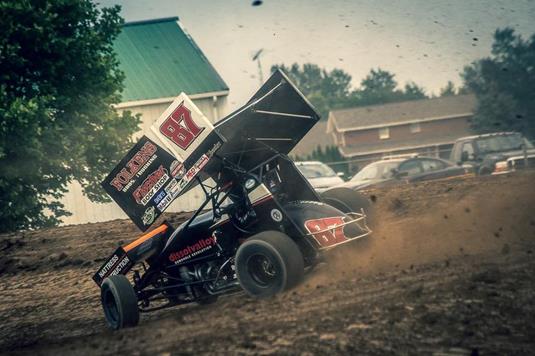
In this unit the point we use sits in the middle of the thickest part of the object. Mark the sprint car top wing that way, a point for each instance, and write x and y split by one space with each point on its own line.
273 121
149 178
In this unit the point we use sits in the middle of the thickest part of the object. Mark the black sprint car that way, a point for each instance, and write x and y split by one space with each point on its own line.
265 225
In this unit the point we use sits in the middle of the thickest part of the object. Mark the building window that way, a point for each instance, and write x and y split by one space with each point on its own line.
415 127
384 133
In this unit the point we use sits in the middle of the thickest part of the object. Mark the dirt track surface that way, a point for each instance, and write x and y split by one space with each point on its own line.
449 270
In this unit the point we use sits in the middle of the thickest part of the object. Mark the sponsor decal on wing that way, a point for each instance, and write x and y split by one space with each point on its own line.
150 186
165 202
134 167
137 182
182 128
149 216
158 198
192 172
177 170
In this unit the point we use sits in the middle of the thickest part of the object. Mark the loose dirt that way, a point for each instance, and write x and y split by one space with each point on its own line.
449 270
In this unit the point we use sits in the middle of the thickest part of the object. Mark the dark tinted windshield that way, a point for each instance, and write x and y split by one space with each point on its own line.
501 143
379 170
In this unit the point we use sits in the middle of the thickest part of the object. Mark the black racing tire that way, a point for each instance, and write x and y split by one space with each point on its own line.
269 263
346 200
119 302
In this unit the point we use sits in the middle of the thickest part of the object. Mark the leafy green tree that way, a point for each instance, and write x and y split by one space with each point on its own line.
328 90
504 85
325 89
379 83
448 90
58 79
413 91
380 87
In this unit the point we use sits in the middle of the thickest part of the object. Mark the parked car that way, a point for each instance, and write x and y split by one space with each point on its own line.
320 175
404 170
494 153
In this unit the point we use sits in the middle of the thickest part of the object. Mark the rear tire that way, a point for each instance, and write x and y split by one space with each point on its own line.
346 200
119 302
269 263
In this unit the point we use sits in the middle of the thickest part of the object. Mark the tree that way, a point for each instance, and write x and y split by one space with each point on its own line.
380 87
325 89
448 90
504 85
58 80
328 90
413 91
379 82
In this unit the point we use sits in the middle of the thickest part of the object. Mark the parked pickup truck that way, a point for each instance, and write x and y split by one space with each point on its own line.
494 153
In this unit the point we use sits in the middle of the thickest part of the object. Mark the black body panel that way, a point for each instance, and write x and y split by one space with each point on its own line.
192 239
273 121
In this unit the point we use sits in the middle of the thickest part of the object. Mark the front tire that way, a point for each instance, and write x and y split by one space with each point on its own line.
269 263
119 302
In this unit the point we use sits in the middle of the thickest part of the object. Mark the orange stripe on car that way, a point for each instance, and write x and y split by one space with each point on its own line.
145 237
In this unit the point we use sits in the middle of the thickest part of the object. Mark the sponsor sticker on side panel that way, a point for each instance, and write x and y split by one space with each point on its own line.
137 184
118 263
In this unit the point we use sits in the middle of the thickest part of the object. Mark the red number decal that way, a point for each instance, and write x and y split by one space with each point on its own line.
180 128
325 230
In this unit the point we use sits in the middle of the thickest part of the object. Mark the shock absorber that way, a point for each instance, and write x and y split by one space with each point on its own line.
186 276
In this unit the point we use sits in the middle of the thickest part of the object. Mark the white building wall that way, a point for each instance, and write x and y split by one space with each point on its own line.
84 211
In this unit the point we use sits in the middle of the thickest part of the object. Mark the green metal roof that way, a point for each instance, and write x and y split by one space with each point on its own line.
160 60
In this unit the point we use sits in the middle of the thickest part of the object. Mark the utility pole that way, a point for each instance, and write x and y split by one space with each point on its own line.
256 58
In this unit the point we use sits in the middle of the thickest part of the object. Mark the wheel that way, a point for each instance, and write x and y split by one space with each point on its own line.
269 263
119 302
346 200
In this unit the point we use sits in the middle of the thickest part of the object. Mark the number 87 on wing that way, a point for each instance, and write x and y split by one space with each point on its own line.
182 127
